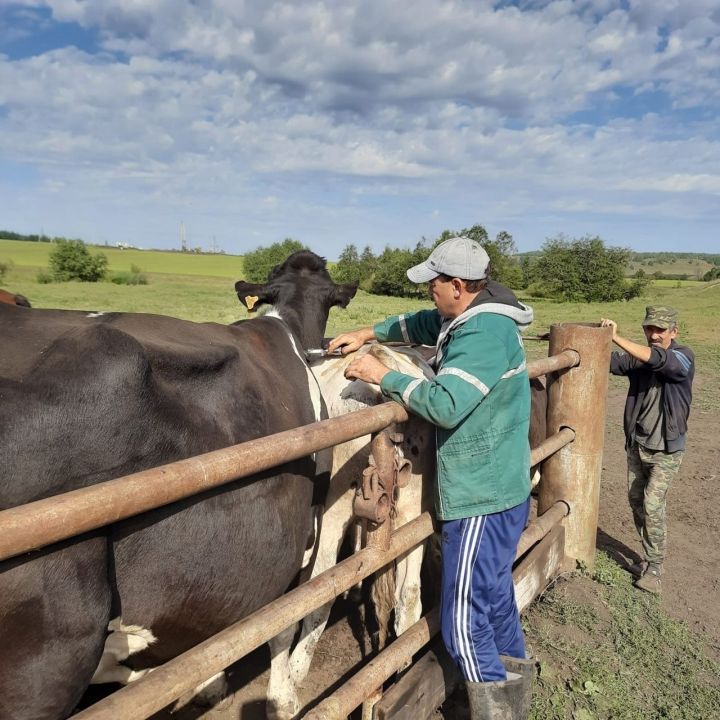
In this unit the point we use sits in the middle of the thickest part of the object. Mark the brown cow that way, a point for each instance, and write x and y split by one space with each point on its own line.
11 299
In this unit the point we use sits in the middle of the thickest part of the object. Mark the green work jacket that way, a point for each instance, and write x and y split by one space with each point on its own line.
479 402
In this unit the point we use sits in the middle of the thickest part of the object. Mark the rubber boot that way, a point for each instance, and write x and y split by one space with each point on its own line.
526 668
502 700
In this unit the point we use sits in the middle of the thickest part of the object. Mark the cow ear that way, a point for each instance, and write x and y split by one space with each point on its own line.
343 294
251 294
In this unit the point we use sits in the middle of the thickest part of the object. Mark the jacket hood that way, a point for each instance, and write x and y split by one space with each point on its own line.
495 298
498 299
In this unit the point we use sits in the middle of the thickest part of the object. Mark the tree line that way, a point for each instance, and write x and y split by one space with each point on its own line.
567 269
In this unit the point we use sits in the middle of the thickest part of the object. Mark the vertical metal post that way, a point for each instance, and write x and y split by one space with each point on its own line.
378 535
577 398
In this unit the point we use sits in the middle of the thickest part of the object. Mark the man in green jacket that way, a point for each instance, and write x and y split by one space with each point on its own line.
479 402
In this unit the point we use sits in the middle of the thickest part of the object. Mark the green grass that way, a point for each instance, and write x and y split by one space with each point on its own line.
607 652
35 255
692 267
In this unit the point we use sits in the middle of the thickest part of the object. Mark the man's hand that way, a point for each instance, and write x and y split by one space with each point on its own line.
351 341
639 352
367 368
606 322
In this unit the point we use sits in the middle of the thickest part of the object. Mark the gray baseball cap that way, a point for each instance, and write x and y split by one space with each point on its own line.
458 257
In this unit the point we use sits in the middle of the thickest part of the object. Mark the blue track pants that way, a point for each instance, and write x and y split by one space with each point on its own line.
479 617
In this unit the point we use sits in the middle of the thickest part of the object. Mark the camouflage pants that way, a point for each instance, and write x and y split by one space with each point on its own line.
650 473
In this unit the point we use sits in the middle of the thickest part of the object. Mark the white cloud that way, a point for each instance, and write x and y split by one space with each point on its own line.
226 106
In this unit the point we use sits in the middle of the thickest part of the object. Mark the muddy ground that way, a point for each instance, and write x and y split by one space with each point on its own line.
691 585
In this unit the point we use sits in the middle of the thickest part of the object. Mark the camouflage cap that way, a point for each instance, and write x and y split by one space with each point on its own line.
660 316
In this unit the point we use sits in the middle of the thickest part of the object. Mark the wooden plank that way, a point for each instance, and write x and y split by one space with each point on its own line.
542 563
422 689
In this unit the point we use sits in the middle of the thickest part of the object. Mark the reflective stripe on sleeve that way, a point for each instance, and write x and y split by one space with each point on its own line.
467 377
403 328
514 371
409 389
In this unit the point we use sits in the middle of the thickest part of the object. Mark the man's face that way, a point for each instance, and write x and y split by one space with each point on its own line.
659 336
442 292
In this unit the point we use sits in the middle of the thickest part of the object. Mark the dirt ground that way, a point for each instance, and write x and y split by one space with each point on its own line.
691 585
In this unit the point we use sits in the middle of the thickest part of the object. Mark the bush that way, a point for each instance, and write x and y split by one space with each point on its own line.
585 270
71 260
43 278
259 262
134 277
128 278
5 267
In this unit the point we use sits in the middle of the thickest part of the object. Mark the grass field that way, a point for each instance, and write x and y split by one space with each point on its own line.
35 255
692 267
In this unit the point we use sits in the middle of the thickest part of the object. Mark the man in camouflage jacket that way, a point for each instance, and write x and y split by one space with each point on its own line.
655 423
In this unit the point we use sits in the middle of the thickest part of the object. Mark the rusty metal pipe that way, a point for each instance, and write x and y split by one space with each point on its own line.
541 526
40 523
565 359
551 445
153 692
396 656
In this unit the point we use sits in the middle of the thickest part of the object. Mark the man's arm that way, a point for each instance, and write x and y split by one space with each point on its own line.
639 352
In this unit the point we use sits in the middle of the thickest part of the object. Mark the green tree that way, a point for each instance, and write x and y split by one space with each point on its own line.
259 262
528 271
348 267
712 274
71 260
368 266
585 270
390 276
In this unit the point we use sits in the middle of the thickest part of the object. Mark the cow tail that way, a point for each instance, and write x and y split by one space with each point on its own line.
382 596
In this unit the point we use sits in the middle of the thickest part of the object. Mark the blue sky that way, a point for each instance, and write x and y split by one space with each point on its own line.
372 123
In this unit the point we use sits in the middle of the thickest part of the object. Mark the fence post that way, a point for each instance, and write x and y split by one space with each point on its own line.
577 398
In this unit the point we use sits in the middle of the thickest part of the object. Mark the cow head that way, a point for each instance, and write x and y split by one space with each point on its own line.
301 292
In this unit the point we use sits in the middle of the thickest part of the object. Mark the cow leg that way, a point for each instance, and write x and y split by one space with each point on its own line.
283 702
210 693
335 523
288 670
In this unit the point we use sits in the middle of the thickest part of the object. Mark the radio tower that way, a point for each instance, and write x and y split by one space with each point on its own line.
183 243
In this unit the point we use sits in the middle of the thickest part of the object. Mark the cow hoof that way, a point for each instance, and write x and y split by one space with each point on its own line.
285 711
211 693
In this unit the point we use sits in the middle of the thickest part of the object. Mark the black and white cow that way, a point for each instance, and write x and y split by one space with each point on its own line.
416 453
89 397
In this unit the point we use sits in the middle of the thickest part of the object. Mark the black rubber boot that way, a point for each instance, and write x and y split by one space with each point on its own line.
502 700
526 668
